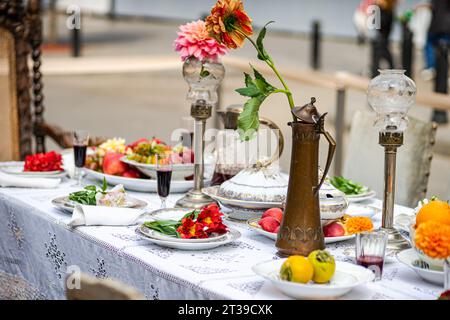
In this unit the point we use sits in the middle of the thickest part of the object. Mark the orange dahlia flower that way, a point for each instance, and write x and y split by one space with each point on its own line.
433 238
358 224
229 24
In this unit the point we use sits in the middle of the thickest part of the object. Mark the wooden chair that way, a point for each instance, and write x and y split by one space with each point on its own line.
22 126
365 158
102 289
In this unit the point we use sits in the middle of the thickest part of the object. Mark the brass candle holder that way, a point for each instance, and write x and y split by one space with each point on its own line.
391 95
195 199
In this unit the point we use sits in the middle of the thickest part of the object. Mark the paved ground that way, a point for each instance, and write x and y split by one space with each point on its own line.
133 105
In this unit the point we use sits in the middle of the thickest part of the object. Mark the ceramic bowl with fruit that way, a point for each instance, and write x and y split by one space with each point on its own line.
317 276
144 154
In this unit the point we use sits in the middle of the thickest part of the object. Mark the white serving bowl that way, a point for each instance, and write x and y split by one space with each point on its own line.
346 277
179 171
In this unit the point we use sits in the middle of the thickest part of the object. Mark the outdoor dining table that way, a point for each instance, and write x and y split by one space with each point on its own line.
39 251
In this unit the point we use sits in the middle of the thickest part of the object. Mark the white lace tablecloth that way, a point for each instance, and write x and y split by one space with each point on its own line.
37 247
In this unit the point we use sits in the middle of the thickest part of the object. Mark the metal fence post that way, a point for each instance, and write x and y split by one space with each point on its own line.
315 45
407 50
339 125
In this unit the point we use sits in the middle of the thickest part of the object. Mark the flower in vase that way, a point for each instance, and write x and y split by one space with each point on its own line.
194 41
433 238
191 230
229 24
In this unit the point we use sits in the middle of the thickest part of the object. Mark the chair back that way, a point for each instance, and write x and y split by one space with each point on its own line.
364 161
92 288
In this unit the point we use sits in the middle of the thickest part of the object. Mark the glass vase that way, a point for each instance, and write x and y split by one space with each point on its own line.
391 94
203 78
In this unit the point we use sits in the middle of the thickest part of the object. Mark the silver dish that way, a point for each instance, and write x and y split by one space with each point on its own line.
410 258
67 205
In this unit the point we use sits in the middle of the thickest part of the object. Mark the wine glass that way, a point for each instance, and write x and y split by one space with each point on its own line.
80 143
164 176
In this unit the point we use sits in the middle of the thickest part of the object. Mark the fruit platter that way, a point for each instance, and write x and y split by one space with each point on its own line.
336 230
317 276
144 152
39 165
94 196
107 162
187 229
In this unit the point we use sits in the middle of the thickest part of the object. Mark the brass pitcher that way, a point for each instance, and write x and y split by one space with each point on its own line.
301 231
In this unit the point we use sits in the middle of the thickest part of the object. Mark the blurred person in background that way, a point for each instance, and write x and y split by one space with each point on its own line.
387 13
439 31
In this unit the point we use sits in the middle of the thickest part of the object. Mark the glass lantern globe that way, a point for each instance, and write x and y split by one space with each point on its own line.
391 94
203 78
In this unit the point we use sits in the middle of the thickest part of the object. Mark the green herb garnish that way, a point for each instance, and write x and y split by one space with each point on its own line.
87 196
347 186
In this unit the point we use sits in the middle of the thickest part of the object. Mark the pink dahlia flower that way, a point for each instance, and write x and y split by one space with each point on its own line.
194 40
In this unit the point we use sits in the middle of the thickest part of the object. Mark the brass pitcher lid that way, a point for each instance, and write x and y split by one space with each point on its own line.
308 113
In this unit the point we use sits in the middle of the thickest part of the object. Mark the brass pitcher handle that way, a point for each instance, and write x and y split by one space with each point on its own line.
280 147
331 150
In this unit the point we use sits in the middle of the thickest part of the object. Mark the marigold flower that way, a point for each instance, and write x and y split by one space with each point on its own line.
433 238
358 224
229 24
194 41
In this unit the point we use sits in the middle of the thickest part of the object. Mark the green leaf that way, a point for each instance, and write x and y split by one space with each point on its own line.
252 91
266 87
105 185
260 43
90 188
248 121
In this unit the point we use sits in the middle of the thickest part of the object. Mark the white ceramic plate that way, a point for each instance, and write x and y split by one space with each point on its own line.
143 185
179 171
369 194
410 258
67 205
359 210
212 192
172 214
253 224
16 168
231 236
347 276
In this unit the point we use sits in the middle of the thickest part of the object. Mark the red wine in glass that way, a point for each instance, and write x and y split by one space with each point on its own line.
80 155
164 177
374 263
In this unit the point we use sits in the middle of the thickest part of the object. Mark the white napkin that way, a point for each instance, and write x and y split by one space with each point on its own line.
8 180
69 163
104 216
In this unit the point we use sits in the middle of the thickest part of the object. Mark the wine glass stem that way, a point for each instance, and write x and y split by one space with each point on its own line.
163 203
79 175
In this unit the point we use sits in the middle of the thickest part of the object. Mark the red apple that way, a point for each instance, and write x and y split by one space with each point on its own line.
277 229
334 229
131 173
112 164
276 213
269 224
134 144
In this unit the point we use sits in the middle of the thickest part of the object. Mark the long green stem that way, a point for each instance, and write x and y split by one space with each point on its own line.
270 63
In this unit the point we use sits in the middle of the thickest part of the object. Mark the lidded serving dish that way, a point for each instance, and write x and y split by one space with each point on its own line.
263 186
257 183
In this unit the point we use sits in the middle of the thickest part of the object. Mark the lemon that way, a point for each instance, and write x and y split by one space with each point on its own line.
323 264
297 269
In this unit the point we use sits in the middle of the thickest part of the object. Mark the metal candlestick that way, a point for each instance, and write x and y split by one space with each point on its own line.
391 141
195 199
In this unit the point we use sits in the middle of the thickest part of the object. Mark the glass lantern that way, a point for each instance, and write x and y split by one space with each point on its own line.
391 94
203 78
